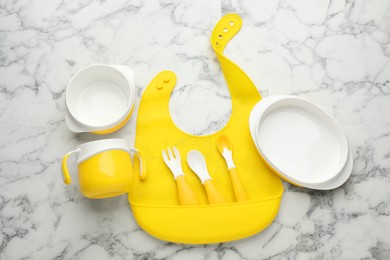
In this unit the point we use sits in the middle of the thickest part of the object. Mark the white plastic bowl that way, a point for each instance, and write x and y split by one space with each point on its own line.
300 141
99 97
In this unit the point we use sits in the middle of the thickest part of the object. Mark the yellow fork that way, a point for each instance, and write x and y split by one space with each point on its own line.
173 161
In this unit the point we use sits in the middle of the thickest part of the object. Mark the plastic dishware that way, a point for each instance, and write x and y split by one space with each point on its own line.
225 148
104 168
100 99
340 179
298 140
173 161
197 164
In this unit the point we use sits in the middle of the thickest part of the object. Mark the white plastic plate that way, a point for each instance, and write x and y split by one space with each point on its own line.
300 141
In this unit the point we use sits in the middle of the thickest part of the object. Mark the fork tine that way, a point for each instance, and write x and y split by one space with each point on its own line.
176 152
164 155
171 157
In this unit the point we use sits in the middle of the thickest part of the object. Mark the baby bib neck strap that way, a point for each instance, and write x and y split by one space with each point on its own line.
243 92
240 85
158 93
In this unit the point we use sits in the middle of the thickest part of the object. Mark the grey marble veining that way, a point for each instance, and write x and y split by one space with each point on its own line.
335 53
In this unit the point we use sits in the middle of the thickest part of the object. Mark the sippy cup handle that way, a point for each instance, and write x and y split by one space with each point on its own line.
142 163
64 167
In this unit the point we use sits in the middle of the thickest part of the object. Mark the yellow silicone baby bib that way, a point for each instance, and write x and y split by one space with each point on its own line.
155 202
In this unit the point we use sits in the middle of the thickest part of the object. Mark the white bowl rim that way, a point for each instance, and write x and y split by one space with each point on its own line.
89 127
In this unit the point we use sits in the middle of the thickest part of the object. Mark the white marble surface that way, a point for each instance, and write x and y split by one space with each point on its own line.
335 53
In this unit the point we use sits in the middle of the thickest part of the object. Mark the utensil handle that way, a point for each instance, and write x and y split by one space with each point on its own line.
239 190
213 194
186 194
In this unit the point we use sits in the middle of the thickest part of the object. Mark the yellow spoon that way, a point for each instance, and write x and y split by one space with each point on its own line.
198 165
225 148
